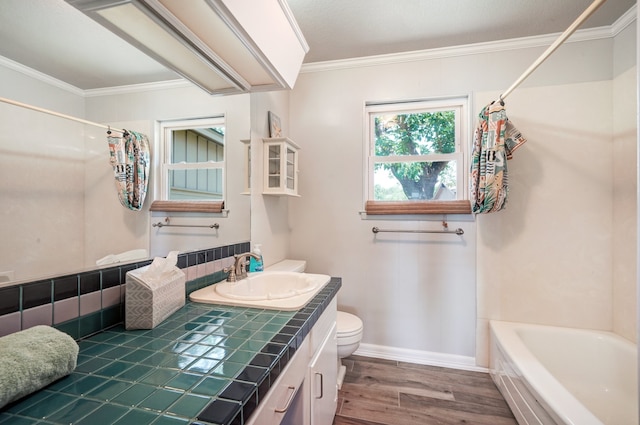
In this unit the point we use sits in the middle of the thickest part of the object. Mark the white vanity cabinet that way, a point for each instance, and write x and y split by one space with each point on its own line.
322 378
280 167
306 392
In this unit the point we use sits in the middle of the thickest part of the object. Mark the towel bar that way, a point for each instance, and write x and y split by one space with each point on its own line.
211 226
167 224
457 231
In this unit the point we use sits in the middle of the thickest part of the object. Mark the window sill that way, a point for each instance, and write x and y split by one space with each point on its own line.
188 206
417 207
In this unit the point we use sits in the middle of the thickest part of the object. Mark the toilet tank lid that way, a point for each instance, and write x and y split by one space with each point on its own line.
288 266
347 323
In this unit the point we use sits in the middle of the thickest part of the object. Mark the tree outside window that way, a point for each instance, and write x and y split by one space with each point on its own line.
415 151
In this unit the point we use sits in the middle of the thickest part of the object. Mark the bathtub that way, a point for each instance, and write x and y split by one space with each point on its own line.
553 375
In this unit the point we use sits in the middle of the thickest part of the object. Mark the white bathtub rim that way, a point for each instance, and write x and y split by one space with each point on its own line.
563 406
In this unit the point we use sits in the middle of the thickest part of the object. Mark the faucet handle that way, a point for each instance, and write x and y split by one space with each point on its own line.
232 273
241 265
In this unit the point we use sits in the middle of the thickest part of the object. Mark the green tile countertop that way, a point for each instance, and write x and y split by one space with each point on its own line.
206 364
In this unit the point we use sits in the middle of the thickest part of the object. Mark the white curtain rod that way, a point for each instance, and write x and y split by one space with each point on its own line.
58 114
561 39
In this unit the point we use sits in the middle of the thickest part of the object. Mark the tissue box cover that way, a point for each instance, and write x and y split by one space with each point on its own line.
149 302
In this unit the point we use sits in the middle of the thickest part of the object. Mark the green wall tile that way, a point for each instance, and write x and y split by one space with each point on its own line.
71 328
90 324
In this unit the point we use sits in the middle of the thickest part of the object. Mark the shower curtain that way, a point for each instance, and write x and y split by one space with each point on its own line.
129 157
495 140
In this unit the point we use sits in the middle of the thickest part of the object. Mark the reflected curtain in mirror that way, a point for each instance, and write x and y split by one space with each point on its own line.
129 157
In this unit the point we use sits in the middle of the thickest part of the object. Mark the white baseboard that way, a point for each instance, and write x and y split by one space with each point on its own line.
430 358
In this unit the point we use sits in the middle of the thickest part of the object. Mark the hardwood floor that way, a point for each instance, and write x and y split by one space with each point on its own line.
386 392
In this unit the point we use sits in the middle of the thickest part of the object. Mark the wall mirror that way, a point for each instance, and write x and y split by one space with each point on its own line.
59 207
60 211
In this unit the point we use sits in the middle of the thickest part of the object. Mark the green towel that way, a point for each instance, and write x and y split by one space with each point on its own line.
32 359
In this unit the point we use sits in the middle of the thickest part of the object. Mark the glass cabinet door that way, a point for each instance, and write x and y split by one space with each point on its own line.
291 168
281 167
274 166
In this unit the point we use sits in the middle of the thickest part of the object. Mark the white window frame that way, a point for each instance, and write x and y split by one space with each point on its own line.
460 104
165 130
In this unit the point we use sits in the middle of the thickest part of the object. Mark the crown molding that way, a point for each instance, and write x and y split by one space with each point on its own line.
624 21
599 33
37 75
137 88
133 88
605 32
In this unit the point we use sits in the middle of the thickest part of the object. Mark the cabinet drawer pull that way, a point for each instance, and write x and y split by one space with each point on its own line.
321 385
289 400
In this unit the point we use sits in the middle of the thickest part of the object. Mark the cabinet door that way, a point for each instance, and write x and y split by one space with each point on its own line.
323 373
291 169
274 164
285 401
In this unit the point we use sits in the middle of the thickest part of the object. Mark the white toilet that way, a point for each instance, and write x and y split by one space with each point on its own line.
349 334
349 326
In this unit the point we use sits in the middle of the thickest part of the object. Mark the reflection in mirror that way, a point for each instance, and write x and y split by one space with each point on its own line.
42 194
193 160
60 211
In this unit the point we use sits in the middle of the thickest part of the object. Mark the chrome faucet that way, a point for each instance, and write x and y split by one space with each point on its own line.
239 269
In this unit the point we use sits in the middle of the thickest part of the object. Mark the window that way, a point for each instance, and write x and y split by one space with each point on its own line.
193 165
416 157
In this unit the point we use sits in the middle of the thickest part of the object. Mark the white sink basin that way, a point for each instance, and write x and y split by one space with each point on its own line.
271 290
269 286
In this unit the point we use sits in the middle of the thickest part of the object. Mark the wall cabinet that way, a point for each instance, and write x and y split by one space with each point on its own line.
306 392
280 167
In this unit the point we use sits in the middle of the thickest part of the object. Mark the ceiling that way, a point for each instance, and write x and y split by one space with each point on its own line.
56 39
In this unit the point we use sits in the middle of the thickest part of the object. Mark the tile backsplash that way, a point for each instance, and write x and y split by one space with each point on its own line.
85 303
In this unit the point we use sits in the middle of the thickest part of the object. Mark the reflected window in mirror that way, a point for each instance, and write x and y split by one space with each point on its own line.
192 164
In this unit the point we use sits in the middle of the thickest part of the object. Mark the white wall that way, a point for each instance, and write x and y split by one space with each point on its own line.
269 213
547 258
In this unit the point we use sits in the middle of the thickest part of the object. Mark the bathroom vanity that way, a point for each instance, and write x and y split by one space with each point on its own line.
306 392
209 364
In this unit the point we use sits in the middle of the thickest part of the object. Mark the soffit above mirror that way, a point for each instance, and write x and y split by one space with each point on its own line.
222 46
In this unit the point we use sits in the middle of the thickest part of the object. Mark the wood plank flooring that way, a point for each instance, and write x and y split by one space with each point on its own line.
386 392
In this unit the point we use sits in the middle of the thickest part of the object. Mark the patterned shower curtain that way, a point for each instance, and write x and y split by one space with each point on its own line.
495 140
129 157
